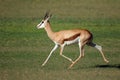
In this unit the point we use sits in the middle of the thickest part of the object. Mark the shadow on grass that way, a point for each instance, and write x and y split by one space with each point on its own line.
108 66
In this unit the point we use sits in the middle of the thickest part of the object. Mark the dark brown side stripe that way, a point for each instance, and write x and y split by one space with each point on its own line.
72 38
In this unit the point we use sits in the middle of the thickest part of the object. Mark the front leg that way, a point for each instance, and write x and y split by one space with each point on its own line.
55 47
61 53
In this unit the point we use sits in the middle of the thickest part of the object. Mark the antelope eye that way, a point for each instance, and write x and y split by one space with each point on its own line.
42 21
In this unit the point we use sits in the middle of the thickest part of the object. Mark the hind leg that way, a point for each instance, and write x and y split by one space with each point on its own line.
82 53
81 48
99 48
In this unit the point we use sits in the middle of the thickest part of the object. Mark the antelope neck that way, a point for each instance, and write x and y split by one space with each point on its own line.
49 30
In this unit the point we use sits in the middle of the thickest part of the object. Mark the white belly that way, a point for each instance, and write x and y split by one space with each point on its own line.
76 40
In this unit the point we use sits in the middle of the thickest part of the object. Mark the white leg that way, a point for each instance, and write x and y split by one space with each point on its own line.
61 51
56 46
100 49
81 50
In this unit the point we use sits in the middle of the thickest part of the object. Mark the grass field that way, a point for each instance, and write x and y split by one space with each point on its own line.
23 47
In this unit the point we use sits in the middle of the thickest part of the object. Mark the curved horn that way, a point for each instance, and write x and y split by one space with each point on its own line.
46 15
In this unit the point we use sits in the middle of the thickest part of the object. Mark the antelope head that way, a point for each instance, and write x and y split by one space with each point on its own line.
43 23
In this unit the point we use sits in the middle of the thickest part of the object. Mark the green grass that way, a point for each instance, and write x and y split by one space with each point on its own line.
23 47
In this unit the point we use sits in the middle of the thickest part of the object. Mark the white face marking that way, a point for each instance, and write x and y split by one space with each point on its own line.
72 41
42 24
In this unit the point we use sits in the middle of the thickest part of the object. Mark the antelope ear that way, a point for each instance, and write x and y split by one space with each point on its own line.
49 17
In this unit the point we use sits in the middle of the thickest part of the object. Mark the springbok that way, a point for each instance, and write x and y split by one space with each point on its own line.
66 37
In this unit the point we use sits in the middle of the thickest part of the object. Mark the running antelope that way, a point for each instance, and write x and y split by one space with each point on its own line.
66 37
